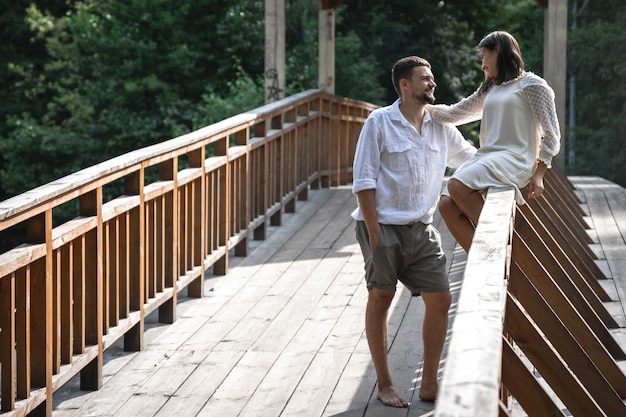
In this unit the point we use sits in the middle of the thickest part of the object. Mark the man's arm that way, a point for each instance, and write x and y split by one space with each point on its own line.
367 204
459 149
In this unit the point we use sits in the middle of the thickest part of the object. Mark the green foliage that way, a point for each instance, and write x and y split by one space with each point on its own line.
242 94
84 81
597 47
393 29
356 74
49 151
115 75
524 20
446 33
301 39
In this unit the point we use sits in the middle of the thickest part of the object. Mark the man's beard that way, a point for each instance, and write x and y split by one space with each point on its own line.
424 98
428 99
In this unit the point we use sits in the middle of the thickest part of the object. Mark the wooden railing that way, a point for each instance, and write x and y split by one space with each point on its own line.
530 325
471 378
530 303
69 291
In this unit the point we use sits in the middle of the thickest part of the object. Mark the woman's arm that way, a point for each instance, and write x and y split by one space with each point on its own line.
465 111
541 99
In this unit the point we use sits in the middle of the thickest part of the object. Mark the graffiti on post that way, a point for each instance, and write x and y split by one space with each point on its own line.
273 90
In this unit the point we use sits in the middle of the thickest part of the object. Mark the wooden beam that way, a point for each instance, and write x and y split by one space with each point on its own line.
326 45
548 362
554 258
326 50
596 370
523 385
585 330
555 63
274 50
7 343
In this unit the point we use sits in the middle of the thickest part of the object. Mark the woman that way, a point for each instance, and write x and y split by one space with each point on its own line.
519 135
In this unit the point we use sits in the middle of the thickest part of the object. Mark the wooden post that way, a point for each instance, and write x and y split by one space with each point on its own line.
274 50
555 63
39 231
91 206
326 49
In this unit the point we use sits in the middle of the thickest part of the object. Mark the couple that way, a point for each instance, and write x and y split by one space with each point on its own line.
399 164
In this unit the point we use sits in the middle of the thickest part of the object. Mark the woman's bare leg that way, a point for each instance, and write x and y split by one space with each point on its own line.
458 223
460 211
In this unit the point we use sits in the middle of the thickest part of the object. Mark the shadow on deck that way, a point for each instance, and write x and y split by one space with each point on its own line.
283 333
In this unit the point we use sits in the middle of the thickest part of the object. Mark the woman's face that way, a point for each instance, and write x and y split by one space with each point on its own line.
489 59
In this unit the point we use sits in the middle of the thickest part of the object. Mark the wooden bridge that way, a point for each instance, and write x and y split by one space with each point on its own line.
217 274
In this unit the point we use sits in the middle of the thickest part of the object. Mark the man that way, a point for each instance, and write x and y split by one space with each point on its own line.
399 164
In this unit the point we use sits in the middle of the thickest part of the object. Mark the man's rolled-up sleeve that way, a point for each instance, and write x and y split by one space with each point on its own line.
366 158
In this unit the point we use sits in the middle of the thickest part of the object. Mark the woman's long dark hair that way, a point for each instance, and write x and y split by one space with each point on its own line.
510 62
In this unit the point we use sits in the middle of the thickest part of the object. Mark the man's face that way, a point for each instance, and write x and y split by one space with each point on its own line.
422 85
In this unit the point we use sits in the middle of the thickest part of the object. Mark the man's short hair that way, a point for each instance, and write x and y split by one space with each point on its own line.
403 69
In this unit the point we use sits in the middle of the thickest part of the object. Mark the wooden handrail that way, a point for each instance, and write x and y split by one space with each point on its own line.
70 291
528 306
471 378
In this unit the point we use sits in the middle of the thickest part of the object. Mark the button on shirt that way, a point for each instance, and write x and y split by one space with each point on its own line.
405 168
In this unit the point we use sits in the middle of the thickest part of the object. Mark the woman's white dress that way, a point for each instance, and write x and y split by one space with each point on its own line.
519 126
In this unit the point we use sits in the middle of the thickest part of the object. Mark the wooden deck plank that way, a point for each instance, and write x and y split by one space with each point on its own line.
606 203
307 283
353 389
607 206
200 385
317 385
242 381
283 333
295 296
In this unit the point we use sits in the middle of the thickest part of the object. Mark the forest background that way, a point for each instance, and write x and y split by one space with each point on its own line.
84 81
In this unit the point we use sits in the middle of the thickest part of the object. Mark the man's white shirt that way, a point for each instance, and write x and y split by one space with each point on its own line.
405 168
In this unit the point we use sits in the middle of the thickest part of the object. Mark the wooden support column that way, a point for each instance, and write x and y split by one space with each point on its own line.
7 343
198 218
91 206
168 171
134 185
326 48
555 63
39 231
274 50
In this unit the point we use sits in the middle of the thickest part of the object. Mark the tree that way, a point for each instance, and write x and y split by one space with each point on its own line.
112 76
393 29
597 47
84 81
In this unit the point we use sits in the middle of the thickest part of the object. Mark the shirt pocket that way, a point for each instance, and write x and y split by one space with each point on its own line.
437 155
399 156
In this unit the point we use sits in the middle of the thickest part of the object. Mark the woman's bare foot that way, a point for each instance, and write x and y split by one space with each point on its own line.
390 397
429 393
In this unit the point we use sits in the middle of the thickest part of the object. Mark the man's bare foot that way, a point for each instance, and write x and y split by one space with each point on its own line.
390 397
429 393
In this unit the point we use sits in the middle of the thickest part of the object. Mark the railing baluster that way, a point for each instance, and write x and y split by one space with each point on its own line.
7 341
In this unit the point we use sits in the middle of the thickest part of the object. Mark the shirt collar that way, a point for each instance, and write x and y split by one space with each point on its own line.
396 114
